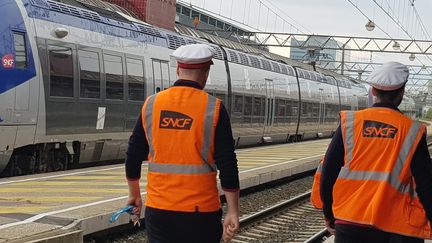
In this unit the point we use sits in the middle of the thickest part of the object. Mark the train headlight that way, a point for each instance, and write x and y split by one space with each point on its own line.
61 32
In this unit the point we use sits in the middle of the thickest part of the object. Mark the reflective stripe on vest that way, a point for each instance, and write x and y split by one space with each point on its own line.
205 150
393 177
208 127
349 116
181 169
148 119
319 168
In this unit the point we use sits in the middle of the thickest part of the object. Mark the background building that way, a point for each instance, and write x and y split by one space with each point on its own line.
160 13
312 52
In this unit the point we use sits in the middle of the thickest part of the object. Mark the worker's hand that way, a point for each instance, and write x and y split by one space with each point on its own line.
137 203
230 226
330 227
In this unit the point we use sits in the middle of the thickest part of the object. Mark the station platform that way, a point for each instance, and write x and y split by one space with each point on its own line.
64 206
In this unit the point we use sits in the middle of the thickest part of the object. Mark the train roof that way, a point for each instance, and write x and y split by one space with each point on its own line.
103 8
103 12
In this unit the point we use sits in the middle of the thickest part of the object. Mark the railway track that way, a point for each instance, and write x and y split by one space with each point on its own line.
294 220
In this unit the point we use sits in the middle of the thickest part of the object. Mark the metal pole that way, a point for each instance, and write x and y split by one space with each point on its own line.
343 59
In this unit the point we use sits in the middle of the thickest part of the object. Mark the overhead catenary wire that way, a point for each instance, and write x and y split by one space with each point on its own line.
397 22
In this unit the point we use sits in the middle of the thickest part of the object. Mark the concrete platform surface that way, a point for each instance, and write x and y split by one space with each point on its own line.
80 202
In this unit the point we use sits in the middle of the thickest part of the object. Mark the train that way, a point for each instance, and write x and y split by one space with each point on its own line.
74 77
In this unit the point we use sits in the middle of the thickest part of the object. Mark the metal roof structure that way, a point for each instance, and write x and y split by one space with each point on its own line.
420 75
237 45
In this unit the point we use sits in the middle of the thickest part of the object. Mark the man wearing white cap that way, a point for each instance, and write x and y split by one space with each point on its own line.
376 181
186 136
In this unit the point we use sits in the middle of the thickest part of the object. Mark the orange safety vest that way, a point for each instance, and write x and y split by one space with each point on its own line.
180 125
375 186
315 193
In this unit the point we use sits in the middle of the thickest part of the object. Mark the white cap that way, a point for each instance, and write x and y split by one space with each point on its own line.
390 76
194 56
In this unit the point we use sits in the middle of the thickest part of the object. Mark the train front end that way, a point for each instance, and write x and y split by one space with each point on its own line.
19 86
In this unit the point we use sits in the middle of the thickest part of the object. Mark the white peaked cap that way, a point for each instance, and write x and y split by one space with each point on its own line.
390 76
194 56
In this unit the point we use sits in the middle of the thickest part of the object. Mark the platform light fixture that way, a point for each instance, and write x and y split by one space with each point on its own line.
412 57
370 25
396 46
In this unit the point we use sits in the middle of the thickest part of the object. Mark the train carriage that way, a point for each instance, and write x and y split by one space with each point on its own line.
74 77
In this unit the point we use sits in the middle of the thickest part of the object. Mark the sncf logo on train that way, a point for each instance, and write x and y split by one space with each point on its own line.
8 61
375 129
175 120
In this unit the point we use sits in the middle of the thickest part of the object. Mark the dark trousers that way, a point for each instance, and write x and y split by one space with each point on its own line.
164 226
346 233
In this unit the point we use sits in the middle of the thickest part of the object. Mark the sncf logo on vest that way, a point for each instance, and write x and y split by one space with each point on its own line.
377 129
175 120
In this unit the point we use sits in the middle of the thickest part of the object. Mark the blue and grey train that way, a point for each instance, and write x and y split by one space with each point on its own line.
74 76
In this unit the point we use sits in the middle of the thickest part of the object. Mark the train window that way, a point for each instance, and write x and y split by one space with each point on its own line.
306 75
244 60
212 21
204 18
313 77
89 74
284 69
248 106
233 56
280 106
220 24
276 67
186 11
300 73
195 14
266 64
290 71
257 106
135 79
20 50
238 103
254 62
114 77
61 71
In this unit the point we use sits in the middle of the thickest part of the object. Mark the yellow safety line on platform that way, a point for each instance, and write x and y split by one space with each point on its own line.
70 183
69 190
86 177
10 210
26 199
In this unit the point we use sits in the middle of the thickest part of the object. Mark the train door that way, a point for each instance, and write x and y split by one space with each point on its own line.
322 110
161 75
269 108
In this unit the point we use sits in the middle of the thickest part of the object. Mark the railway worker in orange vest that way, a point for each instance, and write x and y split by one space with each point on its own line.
186 136
376 181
